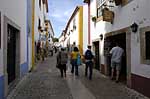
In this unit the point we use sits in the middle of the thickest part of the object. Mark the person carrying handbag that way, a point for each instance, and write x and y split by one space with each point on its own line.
74 56
62 59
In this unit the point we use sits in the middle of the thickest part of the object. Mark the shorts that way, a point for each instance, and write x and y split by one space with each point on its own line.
116 65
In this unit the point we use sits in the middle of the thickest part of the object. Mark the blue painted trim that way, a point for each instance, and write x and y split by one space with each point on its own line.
1 87
24 69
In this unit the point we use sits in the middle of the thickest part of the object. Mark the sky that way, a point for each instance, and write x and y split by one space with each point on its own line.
60 11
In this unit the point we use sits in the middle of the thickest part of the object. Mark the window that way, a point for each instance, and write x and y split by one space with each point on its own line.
145 45
100 2
74 24
99 12
100 6
39 23
40 4
0 30
49 36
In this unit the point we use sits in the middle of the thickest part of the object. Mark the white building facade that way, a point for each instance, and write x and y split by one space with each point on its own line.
13 49
50 31
136 67
75 31
37 11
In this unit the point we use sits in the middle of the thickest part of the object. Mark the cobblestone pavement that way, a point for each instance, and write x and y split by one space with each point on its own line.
104 88
45 83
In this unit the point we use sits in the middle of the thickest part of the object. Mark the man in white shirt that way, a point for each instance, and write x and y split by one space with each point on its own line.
116 57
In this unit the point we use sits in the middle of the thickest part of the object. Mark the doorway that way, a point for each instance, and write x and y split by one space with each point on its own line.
121 40
96 50
11 52
11 57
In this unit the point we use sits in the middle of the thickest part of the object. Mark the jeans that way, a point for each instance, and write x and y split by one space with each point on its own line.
63 69
74 65
89 65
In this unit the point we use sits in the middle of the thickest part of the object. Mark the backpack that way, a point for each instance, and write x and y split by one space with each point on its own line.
88 55
64 57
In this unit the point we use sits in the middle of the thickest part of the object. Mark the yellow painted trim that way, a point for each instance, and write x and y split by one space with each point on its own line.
33 15
80 31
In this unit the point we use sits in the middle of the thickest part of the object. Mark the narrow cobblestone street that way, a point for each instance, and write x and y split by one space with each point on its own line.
45 83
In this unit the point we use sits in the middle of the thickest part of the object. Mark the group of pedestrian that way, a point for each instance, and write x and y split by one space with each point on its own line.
75 58
40 50
62 59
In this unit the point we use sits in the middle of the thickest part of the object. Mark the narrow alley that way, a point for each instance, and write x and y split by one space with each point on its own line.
110 38
45 83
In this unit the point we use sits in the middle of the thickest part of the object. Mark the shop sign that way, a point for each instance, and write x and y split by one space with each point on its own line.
107 15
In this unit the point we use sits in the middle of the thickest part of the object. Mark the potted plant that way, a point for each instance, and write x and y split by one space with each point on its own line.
94 18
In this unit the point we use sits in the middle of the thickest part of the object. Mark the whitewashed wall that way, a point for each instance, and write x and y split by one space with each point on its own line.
51 33
29 33
18 15
60 40
38 15
141 14
135 11
74 36
85 27
71 33
76 32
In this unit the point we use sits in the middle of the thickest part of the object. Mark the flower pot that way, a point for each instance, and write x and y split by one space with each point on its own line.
94 19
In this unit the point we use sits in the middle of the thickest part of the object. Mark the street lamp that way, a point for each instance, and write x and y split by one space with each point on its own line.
134 27
101 37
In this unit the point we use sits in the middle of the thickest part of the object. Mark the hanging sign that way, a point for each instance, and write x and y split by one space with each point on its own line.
107 15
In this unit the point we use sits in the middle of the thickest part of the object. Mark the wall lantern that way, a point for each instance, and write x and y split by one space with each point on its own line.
134 27
101 37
